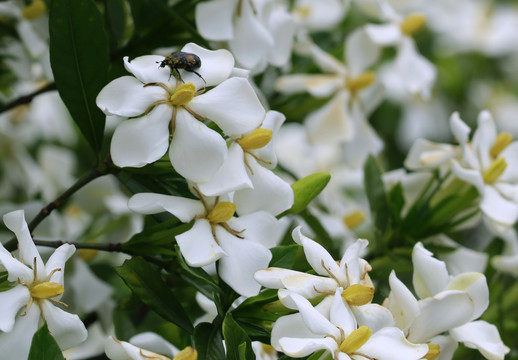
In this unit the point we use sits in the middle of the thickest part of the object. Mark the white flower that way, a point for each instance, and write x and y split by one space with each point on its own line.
337 332
145 346
447 304
154 99
38 287
240 244
318 15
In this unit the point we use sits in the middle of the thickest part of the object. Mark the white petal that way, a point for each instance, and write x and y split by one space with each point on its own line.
469 175
260 227
511 171
233 105
149 203
374 316
248 30
318 257
216 65
214 19
127 96
269 193
196 151
475 285
147 69
90 293
243 258
300 347
401 303
427 154
15 269
496 207
390 343
57 261
15 221
385 34
21 336
484 138
323 14
66 328
198 246
350 261
430 274
326 62
231 176
154 342
341 315
315 84
331 123
459 128
122 350
12 300
455 309
282 27
482 336
272 121
141 141
360 51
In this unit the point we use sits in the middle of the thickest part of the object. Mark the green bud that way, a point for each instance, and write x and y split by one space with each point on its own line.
306 189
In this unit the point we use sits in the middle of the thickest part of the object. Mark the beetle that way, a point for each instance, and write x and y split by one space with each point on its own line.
182 60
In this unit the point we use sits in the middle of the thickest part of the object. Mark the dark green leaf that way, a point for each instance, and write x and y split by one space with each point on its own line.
376 195
235 336
79 58
116 19
397 201
208 341
44 346
284 256
158 239
146 282
198 277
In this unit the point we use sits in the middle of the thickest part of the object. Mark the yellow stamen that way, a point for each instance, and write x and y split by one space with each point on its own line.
502 140
433 352
494 171
183 94
187 354
303 11
256 139
33 11
354 219
412 24
361 81
355 340
222 212
46 290
358 294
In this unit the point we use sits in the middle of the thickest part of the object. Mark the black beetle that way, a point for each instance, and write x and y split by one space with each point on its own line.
182 60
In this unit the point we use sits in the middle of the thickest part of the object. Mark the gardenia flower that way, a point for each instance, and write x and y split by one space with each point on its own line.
240 244
338 333
154 99
447 304
138 345
38 287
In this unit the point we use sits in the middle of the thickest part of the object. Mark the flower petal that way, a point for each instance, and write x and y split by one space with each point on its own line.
66 328
315 84
384 34
154 342
497 208
350 261
390 343
482 336
300 347
484 138
141 141
401 303
122 350
341 315
196 151
475 284
269 193
15 221
126 96
57 261
233 105
430 274
149 203
12 301
90 293
231 176
243 258
214 19
282 27
15 269
260 227
147 69
198 246
20 336
374 316
360 51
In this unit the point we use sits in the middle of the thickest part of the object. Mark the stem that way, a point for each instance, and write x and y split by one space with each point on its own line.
112 247
102 169
25 99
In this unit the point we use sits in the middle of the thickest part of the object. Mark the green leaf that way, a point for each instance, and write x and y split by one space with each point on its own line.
208 341
284 256
376 195
146 282
198 277
44 346
235 337
79 57
306 189
397 201
116 20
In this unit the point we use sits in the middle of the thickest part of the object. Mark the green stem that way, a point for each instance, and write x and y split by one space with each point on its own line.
102 169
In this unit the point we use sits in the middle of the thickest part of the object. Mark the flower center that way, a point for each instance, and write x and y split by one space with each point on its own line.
502 140
33 11
187 354
256 139
222 212
433 352
355 340
361 81
494 171
358 294
303 11
183 94
412 24
354 219
46 290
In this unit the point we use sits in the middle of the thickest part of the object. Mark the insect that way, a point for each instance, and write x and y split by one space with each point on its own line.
182 60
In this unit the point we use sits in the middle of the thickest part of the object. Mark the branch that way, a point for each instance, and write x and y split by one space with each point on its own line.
25 99
111 247
102 169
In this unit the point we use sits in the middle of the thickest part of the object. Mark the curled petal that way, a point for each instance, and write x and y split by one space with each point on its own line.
401 303
147 69
141 141
484 138
66 328
154 342
475 285
430 274
497 208
300 347
12 300
482 336
150 203
198 246
390 343
15 221
57 261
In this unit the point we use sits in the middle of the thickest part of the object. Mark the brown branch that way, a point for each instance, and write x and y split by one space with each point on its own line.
25 99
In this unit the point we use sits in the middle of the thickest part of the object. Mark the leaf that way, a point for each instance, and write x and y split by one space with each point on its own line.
284 256
44 346
146 282
306 189
198 277
79 58
208 341
376 195
116 20
235 337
